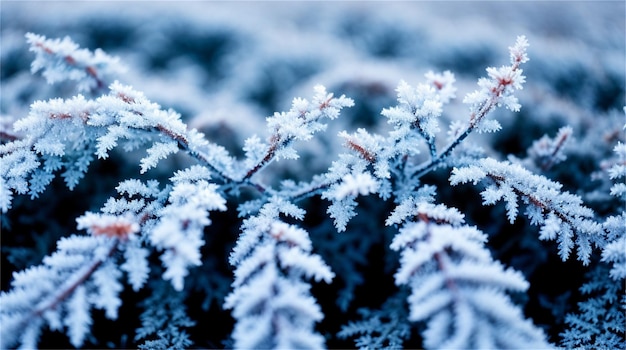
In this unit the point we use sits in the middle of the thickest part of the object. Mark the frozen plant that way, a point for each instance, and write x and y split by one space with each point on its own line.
272 305
457 287
152 234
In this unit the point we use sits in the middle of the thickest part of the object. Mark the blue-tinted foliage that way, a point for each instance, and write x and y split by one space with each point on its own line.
373 222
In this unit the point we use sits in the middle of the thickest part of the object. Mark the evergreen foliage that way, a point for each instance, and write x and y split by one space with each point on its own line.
388 198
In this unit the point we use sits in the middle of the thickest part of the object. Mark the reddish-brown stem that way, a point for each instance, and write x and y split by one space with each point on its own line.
70 60
367 155
183 144
450 283
325 104
557 148
174 136
122 96
545 206
64 293
475 119
269 155
439 257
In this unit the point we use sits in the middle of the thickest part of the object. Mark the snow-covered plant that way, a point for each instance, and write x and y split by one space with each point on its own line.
601 319
271 302
169 220
561 214
456 287
79 276
62 59
163 318
177 204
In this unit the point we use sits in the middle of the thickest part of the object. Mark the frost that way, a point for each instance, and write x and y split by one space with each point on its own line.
418 109
380 329
78 319
342 211
458 290
547 152
61 59
564 213
106 280
179 230
411 207
614 252
157 152
444 82
173 187
600 319
270 300
69 284
300 123
164 318
136 264
353 185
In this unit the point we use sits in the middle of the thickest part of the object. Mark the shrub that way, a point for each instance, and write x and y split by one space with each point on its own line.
387 220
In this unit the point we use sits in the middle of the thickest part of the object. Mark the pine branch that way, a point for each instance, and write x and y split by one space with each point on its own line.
299 123
63 60
42 293
270 301
494 92
456 287
561 214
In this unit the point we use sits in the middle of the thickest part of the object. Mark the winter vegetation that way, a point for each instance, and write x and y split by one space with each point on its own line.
313 175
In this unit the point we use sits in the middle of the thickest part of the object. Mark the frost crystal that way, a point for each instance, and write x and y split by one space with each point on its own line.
170 180
353 185
458 289
563 215
270 300
61 59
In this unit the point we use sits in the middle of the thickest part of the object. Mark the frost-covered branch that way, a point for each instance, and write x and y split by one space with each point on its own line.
495 91
165 318
448 279
61 134
381 329
180 227
547 152
62 60
600 320
270 299
299 123
562 215
456 287
79 276
173 219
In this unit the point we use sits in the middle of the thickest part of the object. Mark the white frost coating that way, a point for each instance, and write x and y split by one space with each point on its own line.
270 287
353 185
